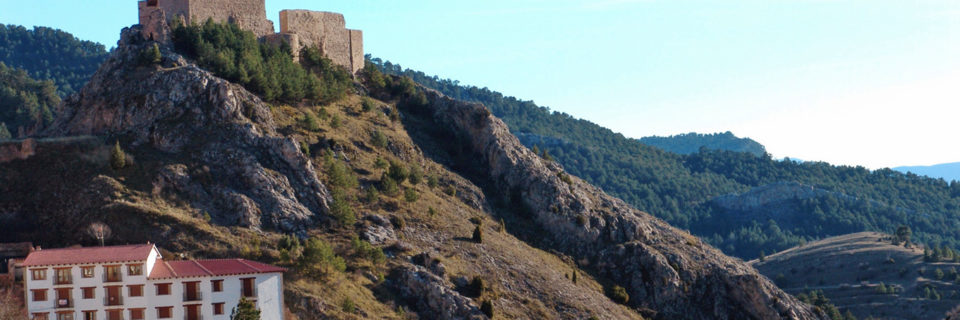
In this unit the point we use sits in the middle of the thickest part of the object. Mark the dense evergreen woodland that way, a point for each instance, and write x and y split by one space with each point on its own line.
51 54
26 105
267 70
688 143
681 188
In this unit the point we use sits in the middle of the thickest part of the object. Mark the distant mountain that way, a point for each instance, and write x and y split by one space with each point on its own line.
947 171
688 143
867 275
51 54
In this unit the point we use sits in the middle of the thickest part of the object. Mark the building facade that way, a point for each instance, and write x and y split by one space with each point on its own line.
135 283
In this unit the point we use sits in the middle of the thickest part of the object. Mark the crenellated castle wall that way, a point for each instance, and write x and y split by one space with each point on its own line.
299 28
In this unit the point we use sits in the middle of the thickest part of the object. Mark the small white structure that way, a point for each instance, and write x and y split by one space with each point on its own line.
134 283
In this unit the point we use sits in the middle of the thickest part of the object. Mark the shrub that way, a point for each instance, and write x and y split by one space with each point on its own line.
432 181
335 122
318 259
305 148
574 277
338 175
340 208
245 310
487 308
367 104
619 295
416 174
151 55
348 305
450 190
380 163
397 172
4 133
411 195
371 195
477 287
118 158
388 186
364 250
478 234
431 211
310 121
378 139
503 226
398 222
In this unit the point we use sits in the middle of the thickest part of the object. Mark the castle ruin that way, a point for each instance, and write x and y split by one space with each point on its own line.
299 28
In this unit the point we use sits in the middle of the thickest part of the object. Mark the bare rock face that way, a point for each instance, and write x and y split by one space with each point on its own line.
435 295
217 139
662 268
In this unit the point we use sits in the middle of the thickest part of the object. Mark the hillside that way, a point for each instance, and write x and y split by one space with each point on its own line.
866 274
683 189
51 54
410 205
945 171
689 143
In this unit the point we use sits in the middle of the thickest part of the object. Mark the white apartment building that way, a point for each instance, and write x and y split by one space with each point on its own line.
133 282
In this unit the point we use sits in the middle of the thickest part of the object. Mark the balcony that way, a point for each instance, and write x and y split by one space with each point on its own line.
113 300
192 296
64 303
62 281
192 317
115 277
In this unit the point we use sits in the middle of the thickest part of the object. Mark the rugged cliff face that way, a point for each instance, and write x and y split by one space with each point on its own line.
663 268
206 145
231 163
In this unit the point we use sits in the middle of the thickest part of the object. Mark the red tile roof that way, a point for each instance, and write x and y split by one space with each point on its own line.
213 267
49 257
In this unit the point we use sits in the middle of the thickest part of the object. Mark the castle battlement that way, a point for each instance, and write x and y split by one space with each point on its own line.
299 28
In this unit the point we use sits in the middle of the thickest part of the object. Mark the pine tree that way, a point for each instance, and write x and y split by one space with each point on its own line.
478 234
245 310
117 158
4 133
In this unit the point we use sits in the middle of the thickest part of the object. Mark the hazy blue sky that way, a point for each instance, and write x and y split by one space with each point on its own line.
872 82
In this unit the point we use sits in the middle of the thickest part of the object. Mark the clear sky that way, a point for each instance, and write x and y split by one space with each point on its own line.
871 82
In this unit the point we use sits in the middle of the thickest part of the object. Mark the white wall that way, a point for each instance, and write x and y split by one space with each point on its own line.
269 290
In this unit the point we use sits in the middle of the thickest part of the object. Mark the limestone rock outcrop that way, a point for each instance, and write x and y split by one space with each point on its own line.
663 268
224 154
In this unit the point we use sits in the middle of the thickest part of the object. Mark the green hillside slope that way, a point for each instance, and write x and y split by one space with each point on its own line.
682 188
51 54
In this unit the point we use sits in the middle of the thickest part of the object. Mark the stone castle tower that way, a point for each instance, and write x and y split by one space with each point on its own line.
299 28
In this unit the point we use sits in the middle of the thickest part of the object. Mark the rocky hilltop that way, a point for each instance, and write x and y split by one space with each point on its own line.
252 176
212 170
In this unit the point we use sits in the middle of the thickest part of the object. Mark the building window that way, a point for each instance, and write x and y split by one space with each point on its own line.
86 272
164 312
135 269
39 294
89 315
217 285
39 274
218 308
248 288
136 314
63 276
115 314
112 274
65 316
40 316
89 292
135 290
163 289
